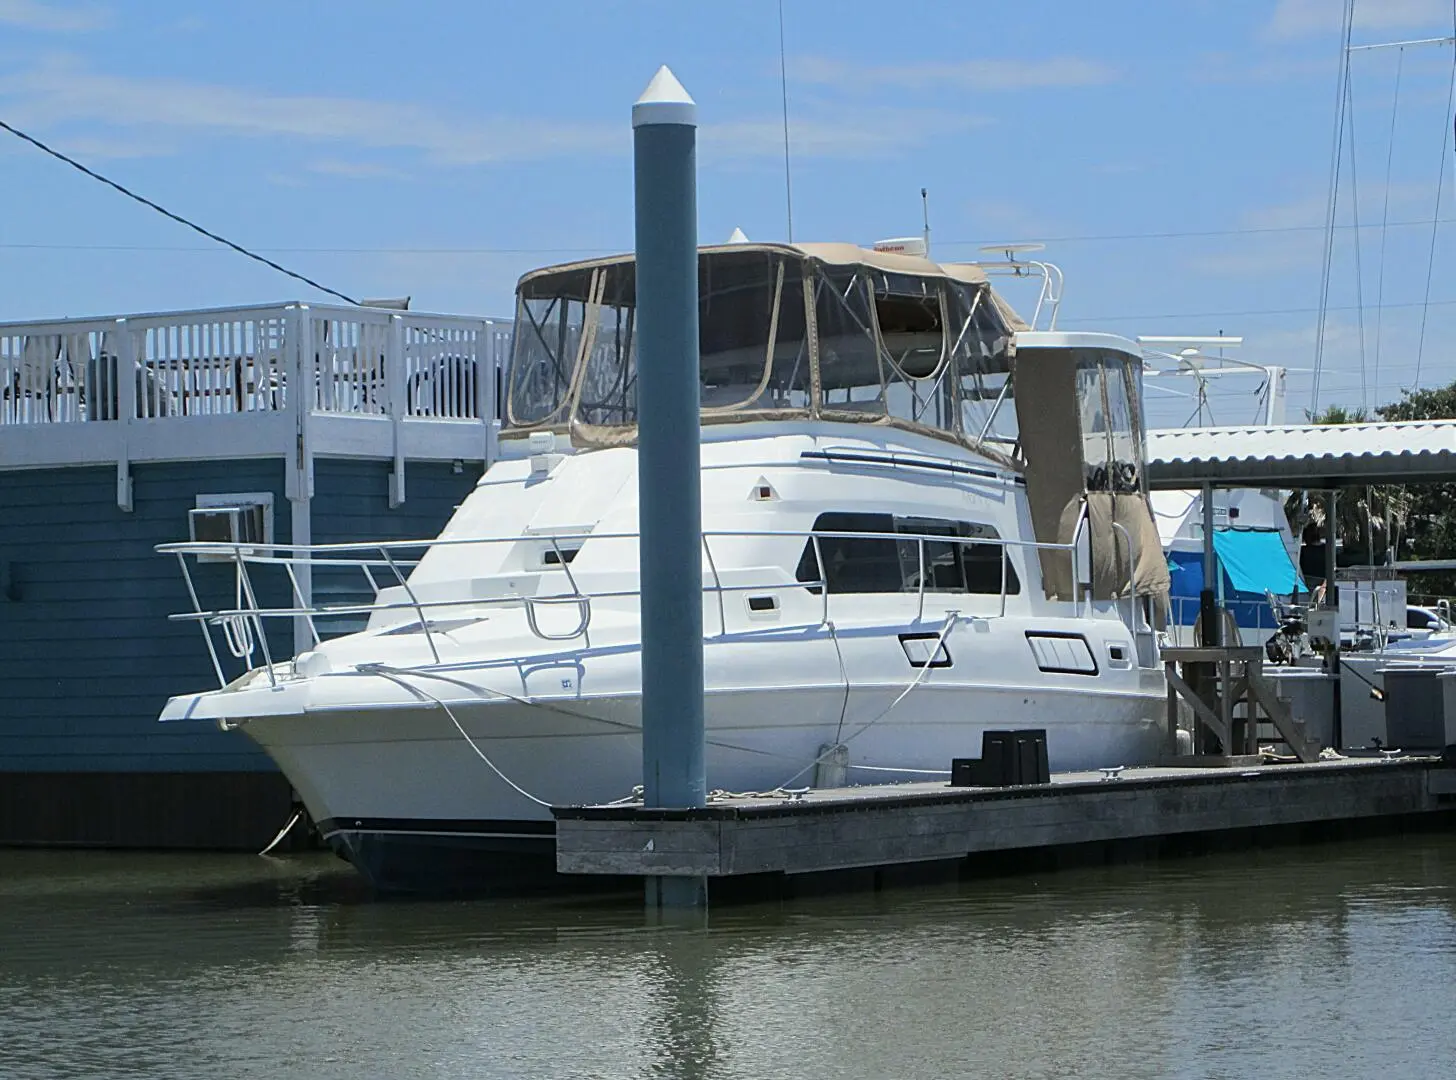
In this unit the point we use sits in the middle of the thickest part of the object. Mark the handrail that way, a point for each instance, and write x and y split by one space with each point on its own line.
582 602
384 554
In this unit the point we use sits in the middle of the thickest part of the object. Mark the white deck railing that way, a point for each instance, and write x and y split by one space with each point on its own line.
343 361
242 626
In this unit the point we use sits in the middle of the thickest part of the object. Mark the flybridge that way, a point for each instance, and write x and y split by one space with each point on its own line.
238 382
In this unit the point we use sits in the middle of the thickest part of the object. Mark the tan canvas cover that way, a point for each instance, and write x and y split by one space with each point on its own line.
1046 416
830 255
1150 567
1051 443
1114 522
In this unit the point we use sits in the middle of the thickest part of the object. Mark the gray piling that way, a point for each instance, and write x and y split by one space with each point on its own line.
664 122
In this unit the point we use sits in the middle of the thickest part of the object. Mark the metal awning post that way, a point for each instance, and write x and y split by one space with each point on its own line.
1332 603
1332 594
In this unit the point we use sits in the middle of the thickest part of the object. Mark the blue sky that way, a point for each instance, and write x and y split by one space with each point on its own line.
1174 155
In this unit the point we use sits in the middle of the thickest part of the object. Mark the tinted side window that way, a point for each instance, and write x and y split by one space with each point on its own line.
854 564
879 564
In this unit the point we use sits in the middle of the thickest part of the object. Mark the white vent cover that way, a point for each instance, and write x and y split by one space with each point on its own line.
1068 654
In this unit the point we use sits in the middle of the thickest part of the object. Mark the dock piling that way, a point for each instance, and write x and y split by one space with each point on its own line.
664 122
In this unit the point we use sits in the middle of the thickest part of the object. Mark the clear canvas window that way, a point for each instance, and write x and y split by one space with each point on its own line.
547 340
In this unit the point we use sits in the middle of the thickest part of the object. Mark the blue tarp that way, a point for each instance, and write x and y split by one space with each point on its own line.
1252 562
1256 561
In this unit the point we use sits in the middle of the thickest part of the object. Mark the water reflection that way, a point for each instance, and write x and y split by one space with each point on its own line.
1333 960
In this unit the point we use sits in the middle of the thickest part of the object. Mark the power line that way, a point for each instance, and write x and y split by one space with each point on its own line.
1252 312
1082 238
196 249
1187 234
168 214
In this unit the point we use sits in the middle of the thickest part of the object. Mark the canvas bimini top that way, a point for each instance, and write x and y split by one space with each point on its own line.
823 331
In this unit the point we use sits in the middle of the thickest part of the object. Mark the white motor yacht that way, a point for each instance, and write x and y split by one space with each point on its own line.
922 520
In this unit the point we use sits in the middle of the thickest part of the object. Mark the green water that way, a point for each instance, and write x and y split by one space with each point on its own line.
1329 961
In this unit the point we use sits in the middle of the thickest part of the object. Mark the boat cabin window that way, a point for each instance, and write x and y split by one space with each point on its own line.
888 559
929 351
926 347
984 392
547 338
753 349
753 352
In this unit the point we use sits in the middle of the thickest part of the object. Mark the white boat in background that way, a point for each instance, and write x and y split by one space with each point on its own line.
1258 560
923 520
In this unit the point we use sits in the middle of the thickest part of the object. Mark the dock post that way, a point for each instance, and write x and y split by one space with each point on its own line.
664 130
1332 602
1208 617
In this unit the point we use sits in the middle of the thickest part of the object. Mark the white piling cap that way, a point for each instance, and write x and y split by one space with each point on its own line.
738 237
664 102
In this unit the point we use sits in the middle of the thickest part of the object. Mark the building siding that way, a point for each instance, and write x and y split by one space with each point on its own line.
87 654
351 502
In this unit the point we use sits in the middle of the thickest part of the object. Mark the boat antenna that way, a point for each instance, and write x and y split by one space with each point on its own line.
784 89
925 218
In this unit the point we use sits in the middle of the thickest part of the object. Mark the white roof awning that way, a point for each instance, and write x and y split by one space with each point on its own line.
1313 456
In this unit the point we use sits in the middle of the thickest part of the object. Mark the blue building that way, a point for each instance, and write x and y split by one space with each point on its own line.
294 424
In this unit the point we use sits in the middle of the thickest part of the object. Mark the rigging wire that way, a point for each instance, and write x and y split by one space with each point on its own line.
1385 216
168 214
1149 316
1334 189
1355 220
784 88
1440 183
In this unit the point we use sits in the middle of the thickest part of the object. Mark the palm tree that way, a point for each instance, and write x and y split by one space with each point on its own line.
1370 520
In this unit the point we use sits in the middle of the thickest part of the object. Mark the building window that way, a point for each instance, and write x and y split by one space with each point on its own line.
969 560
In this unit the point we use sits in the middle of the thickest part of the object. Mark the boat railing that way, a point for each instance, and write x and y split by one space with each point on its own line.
1012 264
242 624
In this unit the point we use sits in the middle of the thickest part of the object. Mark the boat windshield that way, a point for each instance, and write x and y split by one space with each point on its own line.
926 350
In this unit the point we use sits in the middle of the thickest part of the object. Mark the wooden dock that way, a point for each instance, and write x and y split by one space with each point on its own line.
822 831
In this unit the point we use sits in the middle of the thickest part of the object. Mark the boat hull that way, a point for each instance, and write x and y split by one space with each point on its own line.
430 798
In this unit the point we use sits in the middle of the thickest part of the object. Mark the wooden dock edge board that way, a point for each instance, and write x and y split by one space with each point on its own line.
852 829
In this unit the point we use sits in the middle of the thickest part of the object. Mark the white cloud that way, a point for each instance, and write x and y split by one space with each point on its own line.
1290 236
355 170
1229 69
1299 18
1408 201
61 91
1262 257
95 147
864 133
996 74
32 15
